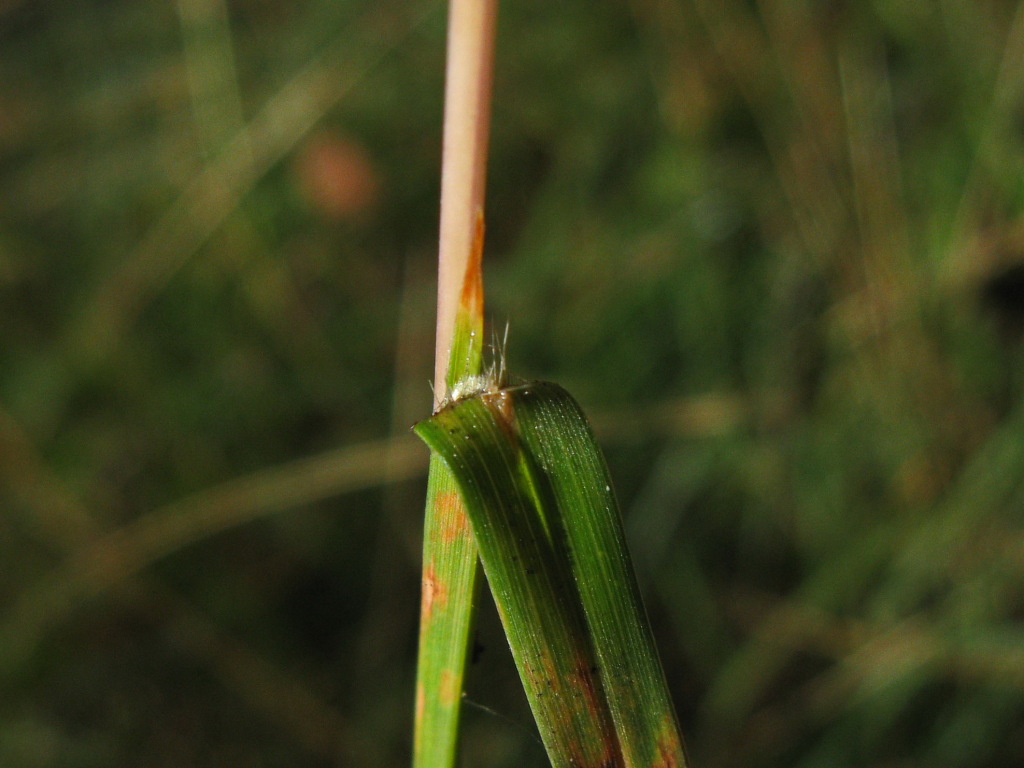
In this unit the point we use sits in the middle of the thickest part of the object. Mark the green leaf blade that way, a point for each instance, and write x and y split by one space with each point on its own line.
533 589
538 495
555 430
446 617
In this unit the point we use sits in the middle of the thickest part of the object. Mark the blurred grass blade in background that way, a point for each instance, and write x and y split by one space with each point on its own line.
539 498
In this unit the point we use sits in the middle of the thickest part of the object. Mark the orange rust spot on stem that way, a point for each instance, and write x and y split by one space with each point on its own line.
471 300
435 594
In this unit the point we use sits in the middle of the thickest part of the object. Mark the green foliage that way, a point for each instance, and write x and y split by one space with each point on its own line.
544 515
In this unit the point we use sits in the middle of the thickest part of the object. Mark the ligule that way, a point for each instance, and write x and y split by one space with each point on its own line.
539 499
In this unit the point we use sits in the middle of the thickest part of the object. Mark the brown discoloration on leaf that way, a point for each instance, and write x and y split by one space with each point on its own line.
448 690
669 747
435 593
500 402
471 300
454 525
562 690
544 678
447 503
610 756
588 684
550 671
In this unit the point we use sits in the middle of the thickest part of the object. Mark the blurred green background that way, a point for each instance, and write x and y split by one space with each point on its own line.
775 248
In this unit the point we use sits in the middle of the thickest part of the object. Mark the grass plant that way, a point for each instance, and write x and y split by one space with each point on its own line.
534 494
542 508
772 248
